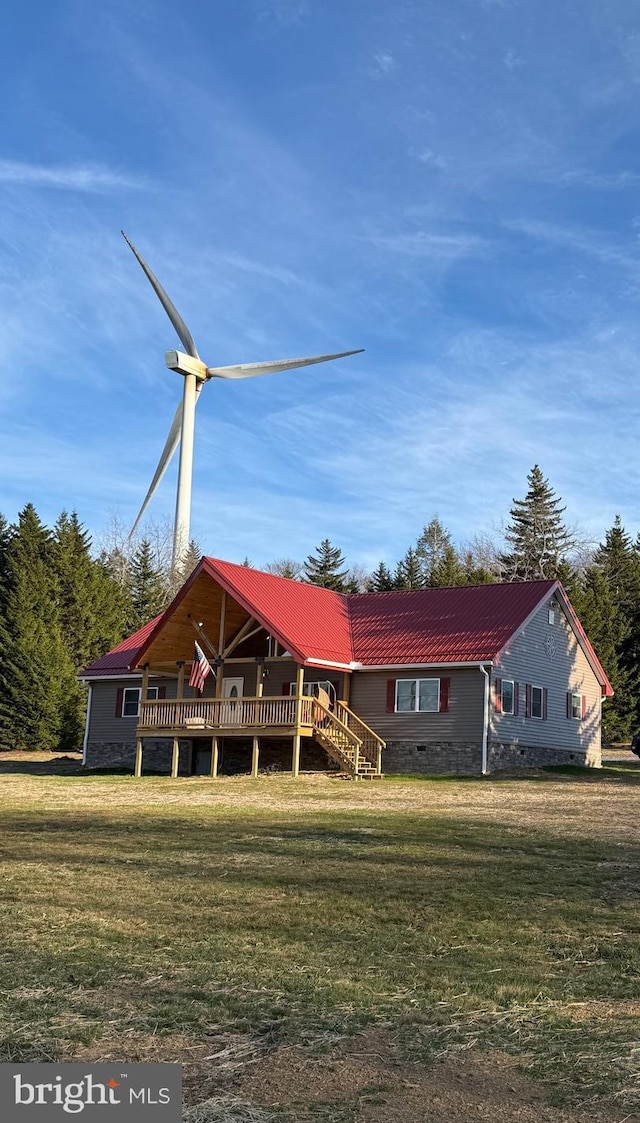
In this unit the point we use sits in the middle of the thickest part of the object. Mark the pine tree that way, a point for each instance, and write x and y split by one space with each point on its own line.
148 588
381 580
608 630
5 538
431 547
537 535
325 567
409 573
91 610
448 570
37 676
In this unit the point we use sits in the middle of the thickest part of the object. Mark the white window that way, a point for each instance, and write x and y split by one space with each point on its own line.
536 701
552 616
422 694
576 706
131 699
310 689
507 696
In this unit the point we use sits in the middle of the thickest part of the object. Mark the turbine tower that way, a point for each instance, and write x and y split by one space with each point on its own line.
195 374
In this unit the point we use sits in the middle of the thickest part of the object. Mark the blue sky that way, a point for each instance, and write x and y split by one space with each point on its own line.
452 184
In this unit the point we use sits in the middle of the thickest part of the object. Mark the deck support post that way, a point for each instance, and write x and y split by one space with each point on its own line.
295 765
137 772
255 756
214 758
175 757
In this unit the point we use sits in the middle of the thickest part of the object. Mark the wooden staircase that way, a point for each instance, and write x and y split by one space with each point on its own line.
351 743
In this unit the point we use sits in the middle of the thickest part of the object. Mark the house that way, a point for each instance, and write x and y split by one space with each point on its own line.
464 680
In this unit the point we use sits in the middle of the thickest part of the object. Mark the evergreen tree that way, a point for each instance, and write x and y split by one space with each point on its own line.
409 573
37 676
537 535
5 538
476 574
325 567
608 630
432 546
148 588
448 571
175 578
92 612
381 580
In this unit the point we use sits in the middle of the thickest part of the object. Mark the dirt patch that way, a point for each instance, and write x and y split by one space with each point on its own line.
369 1081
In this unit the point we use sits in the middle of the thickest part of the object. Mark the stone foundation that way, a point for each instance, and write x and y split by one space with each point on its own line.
156 756
234 755
507 755
461 757
465 757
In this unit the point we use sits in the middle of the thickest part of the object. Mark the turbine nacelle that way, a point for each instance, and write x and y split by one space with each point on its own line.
186 364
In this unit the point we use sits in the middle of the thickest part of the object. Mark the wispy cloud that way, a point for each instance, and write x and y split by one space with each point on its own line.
78 177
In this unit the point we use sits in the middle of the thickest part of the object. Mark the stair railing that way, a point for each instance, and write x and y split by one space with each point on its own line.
371 742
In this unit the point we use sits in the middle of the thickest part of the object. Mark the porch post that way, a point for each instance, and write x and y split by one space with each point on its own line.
214 758
137 772
346 688
175 756
255 757
295 766
180 686
259 680
145 684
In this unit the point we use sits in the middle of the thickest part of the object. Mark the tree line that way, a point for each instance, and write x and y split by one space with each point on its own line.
64 602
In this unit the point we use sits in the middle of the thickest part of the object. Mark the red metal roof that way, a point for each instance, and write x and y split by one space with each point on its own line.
471 624
458 625
311 622
121 658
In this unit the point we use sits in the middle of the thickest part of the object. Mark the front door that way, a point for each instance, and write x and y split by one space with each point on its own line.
231 688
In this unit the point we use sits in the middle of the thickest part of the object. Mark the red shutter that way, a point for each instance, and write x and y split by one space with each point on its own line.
498 696
584 706
445 689
527 700
119 695
391 696
516 699
545 693
286 688
569 704
162 692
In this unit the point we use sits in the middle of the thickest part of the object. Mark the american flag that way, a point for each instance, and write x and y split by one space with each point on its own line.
199 669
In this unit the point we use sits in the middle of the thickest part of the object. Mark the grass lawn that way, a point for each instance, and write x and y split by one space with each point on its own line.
222 923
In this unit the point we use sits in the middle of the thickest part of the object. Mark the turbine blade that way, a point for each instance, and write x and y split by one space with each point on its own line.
183 333
251 370
171 444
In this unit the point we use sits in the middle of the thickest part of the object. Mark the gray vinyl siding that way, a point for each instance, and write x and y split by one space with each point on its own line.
462 722
527 660
103 723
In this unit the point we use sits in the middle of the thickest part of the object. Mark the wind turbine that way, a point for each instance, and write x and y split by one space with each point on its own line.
195 374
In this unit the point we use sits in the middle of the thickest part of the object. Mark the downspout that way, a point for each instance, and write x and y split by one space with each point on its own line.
86 726
485 721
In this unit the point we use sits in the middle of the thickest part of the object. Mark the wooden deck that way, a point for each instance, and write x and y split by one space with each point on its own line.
356 747
231 717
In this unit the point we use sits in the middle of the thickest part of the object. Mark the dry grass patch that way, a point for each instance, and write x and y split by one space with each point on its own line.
229 924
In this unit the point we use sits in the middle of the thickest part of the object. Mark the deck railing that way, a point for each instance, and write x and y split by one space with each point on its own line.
214 713
372 744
